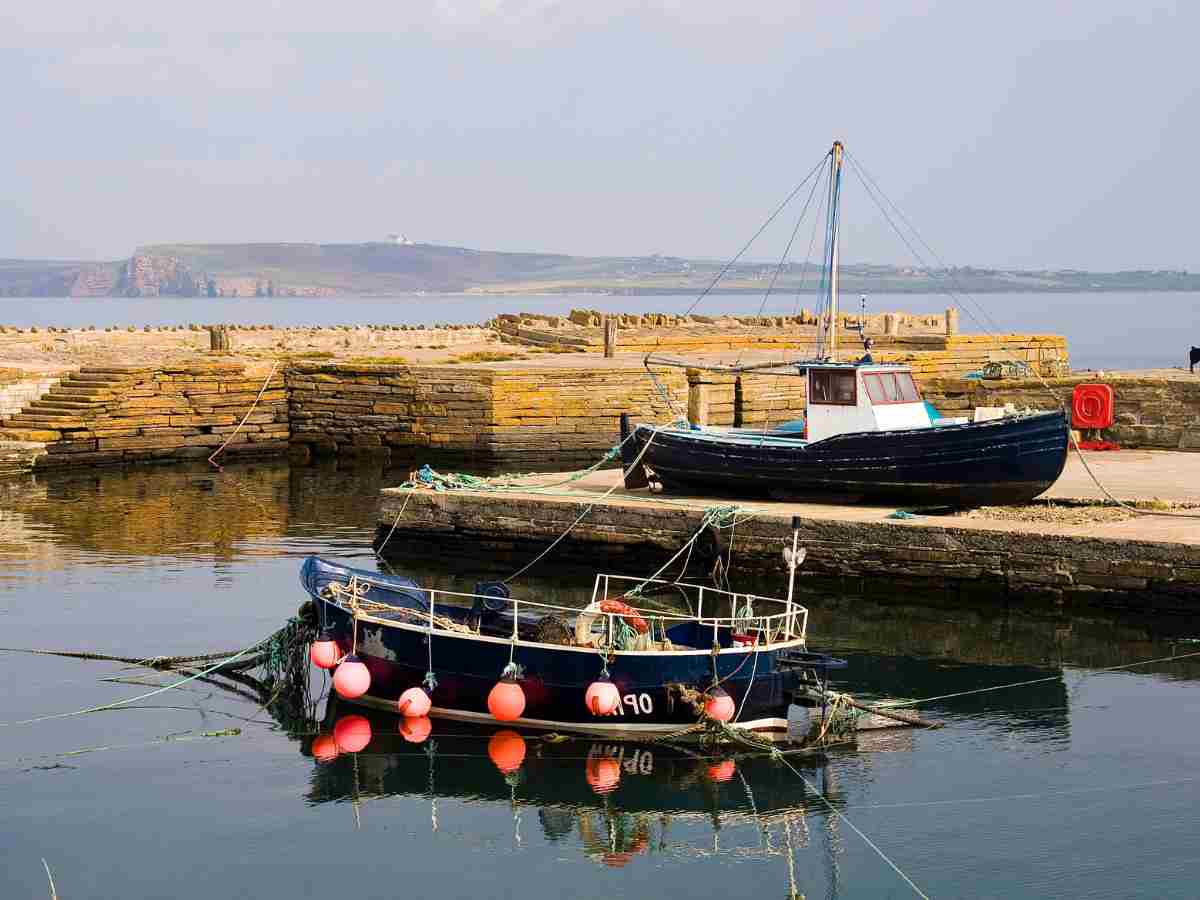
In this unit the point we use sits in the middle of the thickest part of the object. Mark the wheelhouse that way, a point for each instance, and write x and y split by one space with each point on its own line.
855 398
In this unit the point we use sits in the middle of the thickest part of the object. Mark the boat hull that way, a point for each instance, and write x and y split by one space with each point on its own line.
1003 461
556 679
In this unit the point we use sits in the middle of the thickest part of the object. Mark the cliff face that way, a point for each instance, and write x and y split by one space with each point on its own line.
154 276
157 275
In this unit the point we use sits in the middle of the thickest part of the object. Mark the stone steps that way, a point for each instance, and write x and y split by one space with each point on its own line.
69 406
54 404
86 391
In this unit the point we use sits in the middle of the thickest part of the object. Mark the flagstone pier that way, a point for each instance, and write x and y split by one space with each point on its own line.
1080 556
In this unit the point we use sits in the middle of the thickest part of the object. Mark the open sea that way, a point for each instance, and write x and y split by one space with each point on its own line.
1083 784
1104 330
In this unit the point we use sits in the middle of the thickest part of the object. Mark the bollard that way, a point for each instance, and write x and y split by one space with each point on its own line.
610 336
218 337
697 402
952 320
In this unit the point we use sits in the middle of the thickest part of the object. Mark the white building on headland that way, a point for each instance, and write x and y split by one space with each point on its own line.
398 239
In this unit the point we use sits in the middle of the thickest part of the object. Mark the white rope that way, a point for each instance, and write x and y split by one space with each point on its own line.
1000 687
262 390
870 843
583 515
395 524
1106 788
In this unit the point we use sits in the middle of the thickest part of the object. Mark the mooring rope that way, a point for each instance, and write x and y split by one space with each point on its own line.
152 662
1001 687
395 524
587 510
262 390
870 843
119 703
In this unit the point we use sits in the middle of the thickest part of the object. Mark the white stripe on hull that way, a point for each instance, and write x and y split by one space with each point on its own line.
638 729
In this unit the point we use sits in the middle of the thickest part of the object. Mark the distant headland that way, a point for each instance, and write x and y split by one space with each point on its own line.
398 266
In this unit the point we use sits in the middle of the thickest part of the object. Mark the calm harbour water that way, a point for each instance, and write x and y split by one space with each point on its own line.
1085 785
1104 330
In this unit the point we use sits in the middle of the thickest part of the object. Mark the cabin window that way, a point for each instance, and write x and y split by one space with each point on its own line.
833 386
891 387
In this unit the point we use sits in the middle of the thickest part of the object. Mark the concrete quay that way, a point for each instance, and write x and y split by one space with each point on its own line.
1083 555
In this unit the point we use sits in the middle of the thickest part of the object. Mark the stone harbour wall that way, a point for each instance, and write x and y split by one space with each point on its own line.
1153 413
494 412
116 414
364 408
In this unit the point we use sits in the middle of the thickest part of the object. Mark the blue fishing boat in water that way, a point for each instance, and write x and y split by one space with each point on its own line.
745 653
867 431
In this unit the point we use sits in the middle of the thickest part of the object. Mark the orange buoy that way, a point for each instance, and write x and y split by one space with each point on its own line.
325 748
603 774
506 701
352 733
351 678
415 729
324 652
719 705
602 697
414 703
722 771
507 750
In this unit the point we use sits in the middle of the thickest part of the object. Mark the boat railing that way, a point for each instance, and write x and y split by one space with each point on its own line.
763 621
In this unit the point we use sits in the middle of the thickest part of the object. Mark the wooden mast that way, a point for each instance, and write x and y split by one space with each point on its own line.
835 184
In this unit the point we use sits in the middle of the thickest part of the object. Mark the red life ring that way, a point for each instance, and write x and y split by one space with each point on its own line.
626 612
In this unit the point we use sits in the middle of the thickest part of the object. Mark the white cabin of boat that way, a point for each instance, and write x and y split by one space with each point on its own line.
846 398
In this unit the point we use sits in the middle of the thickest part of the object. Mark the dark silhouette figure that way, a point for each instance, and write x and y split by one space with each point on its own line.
1193 359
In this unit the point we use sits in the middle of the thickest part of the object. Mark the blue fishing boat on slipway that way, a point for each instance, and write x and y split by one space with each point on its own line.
660 662
867 432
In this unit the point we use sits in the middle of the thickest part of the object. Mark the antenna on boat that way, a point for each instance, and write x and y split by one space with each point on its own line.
793 556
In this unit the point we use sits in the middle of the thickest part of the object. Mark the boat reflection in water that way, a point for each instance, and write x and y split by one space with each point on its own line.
618 799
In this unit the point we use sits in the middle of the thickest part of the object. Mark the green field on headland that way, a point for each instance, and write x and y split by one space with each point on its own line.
379 268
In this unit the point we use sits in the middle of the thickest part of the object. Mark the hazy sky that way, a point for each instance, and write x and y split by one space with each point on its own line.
1015 134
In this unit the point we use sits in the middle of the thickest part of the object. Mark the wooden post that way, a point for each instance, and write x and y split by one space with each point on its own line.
952 320
610 336
218 338
697 401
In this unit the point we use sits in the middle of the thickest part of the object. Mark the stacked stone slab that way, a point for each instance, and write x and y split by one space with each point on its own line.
115 414
501 413
364 408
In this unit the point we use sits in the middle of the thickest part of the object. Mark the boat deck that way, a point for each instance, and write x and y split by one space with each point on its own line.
1090 556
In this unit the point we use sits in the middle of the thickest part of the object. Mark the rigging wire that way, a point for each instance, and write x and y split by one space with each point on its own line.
788 249
972 304
771 218
812 241
866 176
